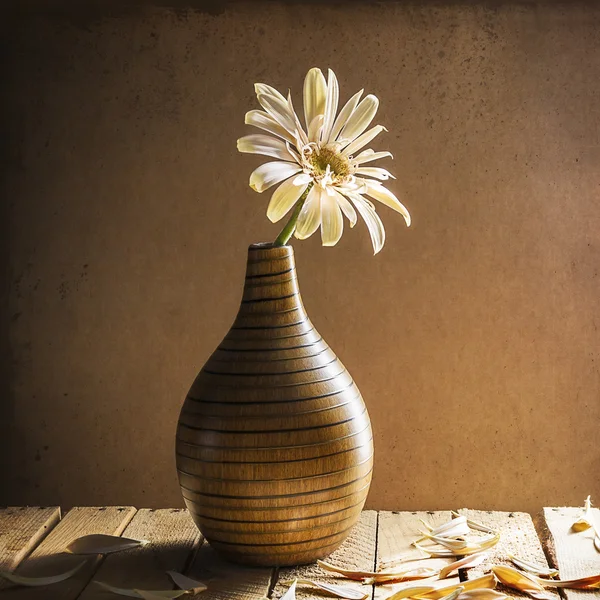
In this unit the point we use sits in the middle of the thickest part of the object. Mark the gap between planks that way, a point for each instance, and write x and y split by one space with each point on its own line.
572 553
48 558
21 530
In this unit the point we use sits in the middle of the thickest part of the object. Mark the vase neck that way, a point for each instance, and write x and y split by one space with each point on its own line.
271 284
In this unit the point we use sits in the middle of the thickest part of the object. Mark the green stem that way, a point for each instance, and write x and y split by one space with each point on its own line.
286 233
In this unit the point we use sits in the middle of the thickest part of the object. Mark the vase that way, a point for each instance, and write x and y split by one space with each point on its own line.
274 446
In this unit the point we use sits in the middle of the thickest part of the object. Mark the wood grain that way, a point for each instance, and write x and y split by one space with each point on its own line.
517 536
357 553
397 531
21 530
274 443
573 554
227 580
173 537
49 557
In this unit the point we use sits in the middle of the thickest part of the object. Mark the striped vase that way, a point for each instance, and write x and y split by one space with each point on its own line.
274 442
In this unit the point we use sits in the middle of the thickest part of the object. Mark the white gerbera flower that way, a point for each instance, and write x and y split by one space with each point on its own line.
320 168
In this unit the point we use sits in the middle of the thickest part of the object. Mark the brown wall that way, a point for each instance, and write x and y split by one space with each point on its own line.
473 335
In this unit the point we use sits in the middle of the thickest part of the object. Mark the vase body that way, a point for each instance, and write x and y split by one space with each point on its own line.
274 444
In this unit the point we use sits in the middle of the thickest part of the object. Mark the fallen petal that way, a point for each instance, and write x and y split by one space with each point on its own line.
348 573
473 548
452 595
39 581
102 544
534 568
584 522
464 563
437 592
335 590
482 595
134 593
408 575
184 582
520 581
583 583
291 593
411 592
484 582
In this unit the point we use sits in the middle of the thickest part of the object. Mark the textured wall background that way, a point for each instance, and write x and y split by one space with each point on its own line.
473 335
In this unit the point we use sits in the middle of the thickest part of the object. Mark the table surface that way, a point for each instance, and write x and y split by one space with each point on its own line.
32 540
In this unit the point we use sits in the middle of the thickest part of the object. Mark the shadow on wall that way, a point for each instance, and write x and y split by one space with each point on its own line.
6 397
93 9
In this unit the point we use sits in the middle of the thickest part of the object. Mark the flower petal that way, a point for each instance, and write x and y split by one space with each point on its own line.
344 115
376 172
271 173
263 88
371 218
362 140
315 93
302 178
369 155
266 145
262 120
346 207
314 129
331 105
309 218
283 198
332 222
383 195
279 110
300 133
360 119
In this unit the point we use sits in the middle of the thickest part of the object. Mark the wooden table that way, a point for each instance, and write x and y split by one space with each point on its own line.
31 539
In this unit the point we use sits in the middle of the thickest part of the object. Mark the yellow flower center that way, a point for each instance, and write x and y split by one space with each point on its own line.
320 158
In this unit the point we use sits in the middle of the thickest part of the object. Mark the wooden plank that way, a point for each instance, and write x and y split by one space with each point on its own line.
172 536
49 559
396 532
227 580
357 552
573 554
21 530
517 536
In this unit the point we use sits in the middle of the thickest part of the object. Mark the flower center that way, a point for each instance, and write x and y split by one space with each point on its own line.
326 155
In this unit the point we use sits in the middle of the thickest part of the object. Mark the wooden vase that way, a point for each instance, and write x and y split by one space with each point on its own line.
274 442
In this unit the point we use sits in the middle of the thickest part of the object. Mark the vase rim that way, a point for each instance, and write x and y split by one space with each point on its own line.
267 246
